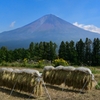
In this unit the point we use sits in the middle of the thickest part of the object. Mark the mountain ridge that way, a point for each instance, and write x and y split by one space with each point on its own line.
46 28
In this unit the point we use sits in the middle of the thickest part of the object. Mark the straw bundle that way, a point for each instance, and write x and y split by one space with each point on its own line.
59 75
82 76
70 76
27 80
46 73
5 76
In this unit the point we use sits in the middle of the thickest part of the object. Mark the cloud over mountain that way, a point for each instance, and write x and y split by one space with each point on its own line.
91 28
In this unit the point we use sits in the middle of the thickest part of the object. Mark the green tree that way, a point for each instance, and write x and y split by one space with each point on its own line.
72 53
67 49
52 51
3 54
62 50
88 52
41 50
17 54
80 51
25 53
36 52
9 56
96 52
31 50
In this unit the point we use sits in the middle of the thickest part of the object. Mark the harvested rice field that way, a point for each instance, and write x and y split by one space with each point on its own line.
55 92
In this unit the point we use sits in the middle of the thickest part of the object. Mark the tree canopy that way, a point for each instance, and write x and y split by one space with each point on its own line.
76 53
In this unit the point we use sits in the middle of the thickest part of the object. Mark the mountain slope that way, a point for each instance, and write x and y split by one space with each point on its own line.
46 28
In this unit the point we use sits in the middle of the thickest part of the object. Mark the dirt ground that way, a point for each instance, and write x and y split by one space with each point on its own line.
55 93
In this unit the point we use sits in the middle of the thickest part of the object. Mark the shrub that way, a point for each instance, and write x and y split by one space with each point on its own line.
15 64
24 63
60 61
41 64
4 63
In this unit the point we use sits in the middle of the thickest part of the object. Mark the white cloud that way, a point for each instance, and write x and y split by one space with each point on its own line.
91 28
12 24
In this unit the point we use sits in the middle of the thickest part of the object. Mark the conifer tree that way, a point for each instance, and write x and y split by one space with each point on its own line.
80 51
88 51
62 50
96 52
31 50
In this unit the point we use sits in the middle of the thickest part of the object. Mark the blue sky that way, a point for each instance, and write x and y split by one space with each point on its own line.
17 13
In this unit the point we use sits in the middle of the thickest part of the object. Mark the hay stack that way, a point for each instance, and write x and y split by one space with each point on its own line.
82 76
70 76
2 72
27 80
57 75
5 76
47 73
51 74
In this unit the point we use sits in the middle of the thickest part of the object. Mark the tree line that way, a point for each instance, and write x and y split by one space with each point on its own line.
76 53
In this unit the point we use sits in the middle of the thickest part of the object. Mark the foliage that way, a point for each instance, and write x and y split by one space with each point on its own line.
60 61
42 63
15 64
62 50
96 52
77 53
80 51
4 63
24 62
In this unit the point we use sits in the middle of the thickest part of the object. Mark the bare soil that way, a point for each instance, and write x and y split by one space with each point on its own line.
55 93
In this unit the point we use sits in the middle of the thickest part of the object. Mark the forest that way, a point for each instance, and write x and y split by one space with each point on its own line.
75 53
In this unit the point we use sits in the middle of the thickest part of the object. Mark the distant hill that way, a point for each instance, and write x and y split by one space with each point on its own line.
46 28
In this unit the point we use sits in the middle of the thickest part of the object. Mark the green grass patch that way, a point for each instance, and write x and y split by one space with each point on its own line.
95 70
98 86
25 63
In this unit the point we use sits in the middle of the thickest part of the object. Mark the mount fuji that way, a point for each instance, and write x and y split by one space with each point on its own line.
47 28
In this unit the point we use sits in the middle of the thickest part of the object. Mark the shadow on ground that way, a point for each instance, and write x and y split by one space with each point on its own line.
16 93
65 89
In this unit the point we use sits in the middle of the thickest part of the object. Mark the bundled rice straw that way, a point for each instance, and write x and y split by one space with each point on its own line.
27 80
70 76
5 76
68 79
46 72
82 76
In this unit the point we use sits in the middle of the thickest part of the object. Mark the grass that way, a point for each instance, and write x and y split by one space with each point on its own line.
95 70
98 86
40 65
23 64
